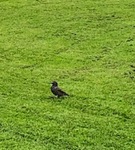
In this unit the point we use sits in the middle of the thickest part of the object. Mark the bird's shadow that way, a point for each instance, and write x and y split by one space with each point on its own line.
59 99
54 98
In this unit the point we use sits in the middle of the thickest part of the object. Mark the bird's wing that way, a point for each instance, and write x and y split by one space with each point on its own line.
60 91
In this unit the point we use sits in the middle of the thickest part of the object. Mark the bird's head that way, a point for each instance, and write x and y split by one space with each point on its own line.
54 83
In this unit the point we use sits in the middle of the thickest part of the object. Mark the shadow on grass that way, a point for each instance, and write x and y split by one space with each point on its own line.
52 98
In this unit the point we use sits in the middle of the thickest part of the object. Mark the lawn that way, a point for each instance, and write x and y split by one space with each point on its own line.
89 48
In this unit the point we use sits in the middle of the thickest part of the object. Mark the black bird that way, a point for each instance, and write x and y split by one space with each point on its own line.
56 90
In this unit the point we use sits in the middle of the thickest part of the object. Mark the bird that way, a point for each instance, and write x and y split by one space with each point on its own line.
57 91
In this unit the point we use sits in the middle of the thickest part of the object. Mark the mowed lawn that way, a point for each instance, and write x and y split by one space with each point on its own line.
89 48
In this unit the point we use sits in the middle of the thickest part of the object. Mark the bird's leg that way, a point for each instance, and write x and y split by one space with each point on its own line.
58 96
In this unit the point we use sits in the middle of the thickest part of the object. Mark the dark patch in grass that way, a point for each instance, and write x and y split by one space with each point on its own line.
133 66
61 50
28 66
106 50
129 40
130 74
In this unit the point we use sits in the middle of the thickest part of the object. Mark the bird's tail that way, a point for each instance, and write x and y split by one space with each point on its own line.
66 94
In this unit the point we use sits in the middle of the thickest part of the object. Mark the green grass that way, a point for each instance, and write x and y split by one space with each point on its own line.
89 48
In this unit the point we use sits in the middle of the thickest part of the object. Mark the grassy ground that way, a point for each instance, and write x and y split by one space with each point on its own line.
89 48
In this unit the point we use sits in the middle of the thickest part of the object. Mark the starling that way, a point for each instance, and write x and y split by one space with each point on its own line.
57 91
